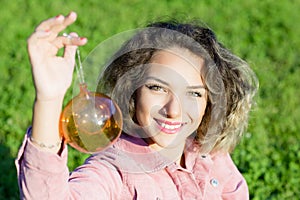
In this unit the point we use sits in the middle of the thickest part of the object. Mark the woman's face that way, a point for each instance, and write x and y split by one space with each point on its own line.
171 103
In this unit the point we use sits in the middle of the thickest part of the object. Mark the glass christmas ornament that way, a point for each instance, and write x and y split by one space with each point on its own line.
90 121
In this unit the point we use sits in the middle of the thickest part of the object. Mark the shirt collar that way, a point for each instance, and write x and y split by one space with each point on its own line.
133 155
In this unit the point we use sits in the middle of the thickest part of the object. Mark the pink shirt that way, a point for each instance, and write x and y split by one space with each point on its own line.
128 170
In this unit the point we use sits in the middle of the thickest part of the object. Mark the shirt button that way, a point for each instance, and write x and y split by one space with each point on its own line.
214 182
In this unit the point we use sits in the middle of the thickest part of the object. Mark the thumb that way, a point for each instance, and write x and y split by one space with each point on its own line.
71 47
69 54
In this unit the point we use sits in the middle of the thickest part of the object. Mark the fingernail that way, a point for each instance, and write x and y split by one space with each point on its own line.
58 16
83 39
72 13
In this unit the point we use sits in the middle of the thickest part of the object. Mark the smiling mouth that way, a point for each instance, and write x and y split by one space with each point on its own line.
169 127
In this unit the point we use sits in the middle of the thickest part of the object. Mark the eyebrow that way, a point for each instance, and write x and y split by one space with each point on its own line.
197 87
157 79
167 84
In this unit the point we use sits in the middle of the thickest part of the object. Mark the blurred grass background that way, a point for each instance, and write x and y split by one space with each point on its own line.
263 32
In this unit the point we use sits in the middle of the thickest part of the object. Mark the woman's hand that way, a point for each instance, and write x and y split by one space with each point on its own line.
53 74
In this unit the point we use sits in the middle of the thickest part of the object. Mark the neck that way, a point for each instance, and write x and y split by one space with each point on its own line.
173 153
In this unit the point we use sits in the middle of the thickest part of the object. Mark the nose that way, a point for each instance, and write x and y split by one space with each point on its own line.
172 108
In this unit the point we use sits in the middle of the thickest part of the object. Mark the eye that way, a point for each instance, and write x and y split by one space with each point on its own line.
156 87
194 94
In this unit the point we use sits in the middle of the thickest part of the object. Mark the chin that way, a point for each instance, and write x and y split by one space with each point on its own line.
168 144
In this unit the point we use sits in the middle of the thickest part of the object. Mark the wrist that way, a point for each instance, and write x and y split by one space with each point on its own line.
45 125
51 108
55 145
57 99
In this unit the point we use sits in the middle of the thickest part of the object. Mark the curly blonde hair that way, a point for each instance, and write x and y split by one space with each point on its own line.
230 82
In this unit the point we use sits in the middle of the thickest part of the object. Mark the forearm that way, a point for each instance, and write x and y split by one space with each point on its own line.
45 125
44 175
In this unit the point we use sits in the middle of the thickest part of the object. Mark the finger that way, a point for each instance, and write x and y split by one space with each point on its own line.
58 23
47 24
70 50
69 54
38 35
63 41
68 20
71 18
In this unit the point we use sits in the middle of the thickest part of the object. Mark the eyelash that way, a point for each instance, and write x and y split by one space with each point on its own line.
195 94
159 88
156 87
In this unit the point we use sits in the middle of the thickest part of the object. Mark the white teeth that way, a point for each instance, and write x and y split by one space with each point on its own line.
171 127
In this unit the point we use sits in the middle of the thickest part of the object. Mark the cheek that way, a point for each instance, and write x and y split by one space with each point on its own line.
140 111
143 107
197 111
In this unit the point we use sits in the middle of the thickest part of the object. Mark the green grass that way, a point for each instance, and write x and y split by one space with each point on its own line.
264 32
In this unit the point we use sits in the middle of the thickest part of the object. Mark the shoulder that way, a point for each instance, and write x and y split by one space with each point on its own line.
224 159
234 185
124 155
97 177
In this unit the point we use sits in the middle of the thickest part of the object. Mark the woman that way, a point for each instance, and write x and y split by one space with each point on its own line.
185 101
